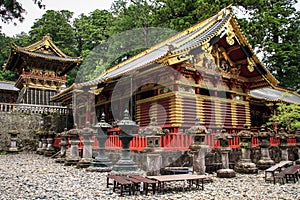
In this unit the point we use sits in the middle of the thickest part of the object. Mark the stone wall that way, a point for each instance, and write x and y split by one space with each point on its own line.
26 123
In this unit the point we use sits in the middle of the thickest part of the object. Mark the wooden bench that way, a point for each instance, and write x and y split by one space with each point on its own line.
191 179
276 168
119 182
292 173
146 183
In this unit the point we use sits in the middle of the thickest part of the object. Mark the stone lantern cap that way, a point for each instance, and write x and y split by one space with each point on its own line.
74 131
64 133
152 129
197 128
224 135
263 132
87 130
246 133
13 132
282 134
126 121
102 124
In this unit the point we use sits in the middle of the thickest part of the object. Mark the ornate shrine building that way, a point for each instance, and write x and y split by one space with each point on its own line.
206 71
42 70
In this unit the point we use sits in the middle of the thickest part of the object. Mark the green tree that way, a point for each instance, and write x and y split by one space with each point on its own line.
273 29
287 116
4 53
58 24
92 30
13 9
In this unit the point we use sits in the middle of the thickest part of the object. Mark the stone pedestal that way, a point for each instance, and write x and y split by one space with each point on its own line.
199 160
50 149
44 145
284 152
73 158
265 161
224 138
13 141
153 133
126 165
87 141
264 142
198 148
101 163
40 143
225 172
245 165
154 164
63 147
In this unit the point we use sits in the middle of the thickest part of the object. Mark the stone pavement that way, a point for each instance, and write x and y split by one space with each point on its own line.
31 176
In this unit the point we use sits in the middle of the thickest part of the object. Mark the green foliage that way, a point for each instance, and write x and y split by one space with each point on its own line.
58 25
4 53
287 116
10 10
273 28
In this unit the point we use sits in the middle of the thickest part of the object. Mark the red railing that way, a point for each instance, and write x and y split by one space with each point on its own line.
173 141
274 142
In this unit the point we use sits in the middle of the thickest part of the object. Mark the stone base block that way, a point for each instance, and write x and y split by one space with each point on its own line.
71 161
13 150
225 173
84 163
98 169
246 167
264 164
60 160
49 152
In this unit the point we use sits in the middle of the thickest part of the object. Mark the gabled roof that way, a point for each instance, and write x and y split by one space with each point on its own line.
203 34
43 51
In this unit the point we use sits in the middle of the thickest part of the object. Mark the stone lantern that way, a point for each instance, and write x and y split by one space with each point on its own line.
101 163
73 158
245 165
50 138
264 142
13 140
224 138
126 165
283 137
297 135
198 148
40 134
87 133
63 146
153 133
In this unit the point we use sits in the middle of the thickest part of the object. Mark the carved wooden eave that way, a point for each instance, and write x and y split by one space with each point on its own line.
43 55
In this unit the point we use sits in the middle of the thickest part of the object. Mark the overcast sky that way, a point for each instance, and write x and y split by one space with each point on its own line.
76 6
33 12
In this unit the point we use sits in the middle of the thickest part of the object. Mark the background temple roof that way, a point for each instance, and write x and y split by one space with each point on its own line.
5 85
276 94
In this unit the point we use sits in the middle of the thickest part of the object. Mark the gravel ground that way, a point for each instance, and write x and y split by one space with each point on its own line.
31 176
